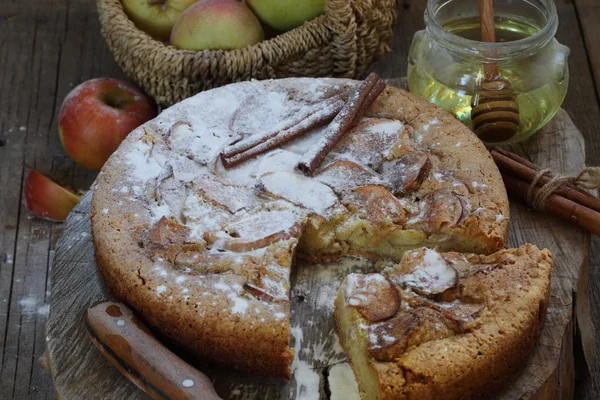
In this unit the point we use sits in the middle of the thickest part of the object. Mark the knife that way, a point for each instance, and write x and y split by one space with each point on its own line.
130 347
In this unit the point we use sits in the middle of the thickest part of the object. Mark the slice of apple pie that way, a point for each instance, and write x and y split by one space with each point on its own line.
443 325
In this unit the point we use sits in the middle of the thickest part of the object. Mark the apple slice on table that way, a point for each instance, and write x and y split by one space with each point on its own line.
97 115
156 17
46 199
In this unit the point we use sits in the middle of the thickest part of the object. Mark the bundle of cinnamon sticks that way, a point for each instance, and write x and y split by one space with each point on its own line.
567 202
343 115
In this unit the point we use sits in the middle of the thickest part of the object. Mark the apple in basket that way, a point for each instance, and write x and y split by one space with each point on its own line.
283 15
155 17
216 25
97 115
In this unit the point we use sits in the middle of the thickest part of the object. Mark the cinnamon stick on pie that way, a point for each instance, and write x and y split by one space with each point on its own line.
346 115
371 97
245 150
358 103
256 144
328 106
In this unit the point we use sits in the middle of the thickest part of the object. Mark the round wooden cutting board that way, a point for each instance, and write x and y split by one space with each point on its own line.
79 371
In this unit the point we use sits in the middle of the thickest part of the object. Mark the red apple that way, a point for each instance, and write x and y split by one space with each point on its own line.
97 115
46 199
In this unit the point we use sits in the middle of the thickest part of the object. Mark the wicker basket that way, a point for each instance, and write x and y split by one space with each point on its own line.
342 43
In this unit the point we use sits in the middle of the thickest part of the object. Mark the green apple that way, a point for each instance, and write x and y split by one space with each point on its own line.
216 24
283 15
156 17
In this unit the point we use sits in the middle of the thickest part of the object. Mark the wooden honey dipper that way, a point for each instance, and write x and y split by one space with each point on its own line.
494 111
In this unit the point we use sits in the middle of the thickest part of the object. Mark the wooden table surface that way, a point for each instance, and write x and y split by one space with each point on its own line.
50 46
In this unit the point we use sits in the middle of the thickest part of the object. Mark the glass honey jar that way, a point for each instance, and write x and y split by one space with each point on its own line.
446 60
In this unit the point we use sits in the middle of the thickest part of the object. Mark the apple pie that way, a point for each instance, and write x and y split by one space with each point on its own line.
203 252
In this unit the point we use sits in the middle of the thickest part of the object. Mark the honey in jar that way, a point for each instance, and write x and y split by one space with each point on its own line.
446 60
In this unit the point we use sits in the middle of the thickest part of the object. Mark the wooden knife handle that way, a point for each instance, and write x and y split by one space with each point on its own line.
128 344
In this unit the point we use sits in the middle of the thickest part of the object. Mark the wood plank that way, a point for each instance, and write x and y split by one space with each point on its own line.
40 384
582 103
42 43
34 235
588 12
19 48
590 389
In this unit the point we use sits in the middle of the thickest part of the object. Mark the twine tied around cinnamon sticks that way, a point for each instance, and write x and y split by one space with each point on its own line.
588 178
563 196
